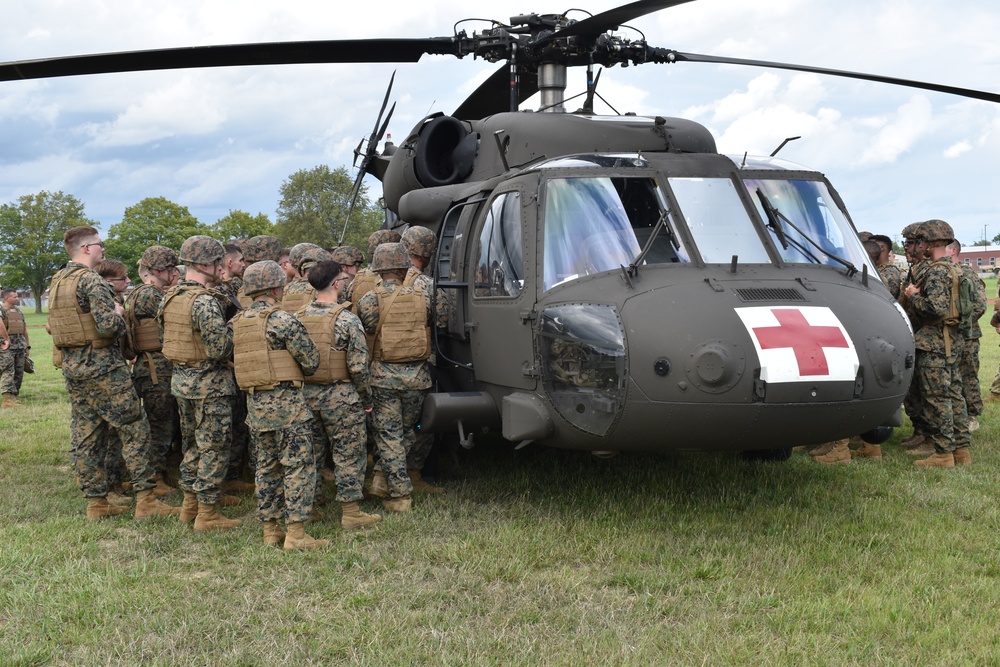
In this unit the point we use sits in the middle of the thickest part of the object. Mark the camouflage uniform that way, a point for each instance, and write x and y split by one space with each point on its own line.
102 394
969 365
12 359
913 403
338 408
892 277
939 351
397 395
417 455
204 393
279 423
240 451
151 376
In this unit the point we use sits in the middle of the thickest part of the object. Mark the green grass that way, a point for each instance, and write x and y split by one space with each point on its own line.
531 557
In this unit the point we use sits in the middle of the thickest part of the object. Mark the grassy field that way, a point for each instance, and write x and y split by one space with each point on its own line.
536 557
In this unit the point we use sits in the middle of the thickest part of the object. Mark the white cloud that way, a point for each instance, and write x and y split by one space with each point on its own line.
911 122
957 149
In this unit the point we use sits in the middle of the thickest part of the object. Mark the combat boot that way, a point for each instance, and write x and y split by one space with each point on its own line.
118 499
823 449
273 535
162 488
926 449
962 456
421 485
840 452
226 500
100 508
209 519
189 507
937 460
868 451
10 401
914 440
146 505
296 538
398 505
993 397
379 486
353 518
238 486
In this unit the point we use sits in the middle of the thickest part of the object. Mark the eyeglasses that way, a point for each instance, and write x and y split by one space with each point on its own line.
123 279
87 245
341 279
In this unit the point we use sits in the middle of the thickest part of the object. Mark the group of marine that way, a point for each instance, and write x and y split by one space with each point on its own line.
279 360
943 299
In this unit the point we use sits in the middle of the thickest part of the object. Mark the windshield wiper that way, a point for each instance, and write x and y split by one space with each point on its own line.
661 223
774 218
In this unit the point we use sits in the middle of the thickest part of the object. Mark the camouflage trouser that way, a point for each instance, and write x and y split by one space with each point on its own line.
240 450
206 429
913 406
161 412
969 369
341 431
114 460
11 371
394 415
286 473
109 400
943 404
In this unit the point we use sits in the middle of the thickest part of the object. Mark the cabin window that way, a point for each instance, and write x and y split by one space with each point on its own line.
499 255
718 221
597 224
812 226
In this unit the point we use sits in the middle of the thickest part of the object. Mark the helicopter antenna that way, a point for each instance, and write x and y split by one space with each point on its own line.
782 145
588 105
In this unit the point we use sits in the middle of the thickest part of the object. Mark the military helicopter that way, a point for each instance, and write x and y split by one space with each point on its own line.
615 284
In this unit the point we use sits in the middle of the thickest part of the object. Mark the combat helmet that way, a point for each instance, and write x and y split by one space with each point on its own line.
912 231
310 257
262 276
390 257
381 236
260 248
347 255
419 241
158 258
864 236
201 250
298 253
936 230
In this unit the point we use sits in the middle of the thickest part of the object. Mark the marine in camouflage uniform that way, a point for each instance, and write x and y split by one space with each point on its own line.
969 365
152 371
397 387
887 269
97 379
365 279
203 388
14 331
277 413
939 346
298 292
338 406
916 249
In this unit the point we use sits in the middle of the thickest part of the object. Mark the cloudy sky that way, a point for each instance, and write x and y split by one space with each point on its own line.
215 140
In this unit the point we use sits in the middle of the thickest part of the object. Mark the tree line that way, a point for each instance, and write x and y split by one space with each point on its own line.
312 207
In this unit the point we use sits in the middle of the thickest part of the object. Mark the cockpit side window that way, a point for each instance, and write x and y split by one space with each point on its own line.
499 253
600 223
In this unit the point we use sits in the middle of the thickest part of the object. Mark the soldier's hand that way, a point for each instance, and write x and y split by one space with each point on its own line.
911 289
119 309
5 344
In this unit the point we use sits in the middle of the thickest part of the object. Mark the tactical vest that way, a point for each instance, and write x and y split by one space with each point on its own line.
15 322
70 325
243 299
180 344
332 362
402 334
296 301
257 367
143 334
363 283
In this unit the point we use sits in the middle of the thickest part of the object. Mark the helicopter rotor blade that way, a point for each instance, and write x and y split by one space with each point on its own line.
611 19
677 56
493 95
233 55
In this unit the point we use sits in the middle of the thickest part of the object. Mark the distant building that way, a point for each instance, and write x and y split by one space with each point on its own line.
984 258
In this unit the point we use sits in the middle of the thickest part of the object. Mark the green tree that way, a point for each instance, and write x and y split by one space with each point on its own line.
153 221
241 225
314 204
31 233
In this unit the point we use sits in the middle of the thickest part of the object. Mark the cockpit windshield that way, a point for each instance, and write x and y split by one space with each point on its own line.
600 223
806 216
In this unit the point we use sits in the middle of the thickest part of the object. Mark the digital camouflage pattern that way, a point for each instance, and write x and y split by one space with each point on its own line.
346 255
936 230
151 375
338 409
419 241
390 257
203 394
380 236
159 257
892 277
95 296
310 257
297 254
262 276
12 359
279 421
969 364
260 248
201 249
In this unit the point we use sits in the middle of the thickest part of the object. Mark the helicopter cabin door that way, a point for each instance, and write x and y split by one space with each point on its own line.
501 301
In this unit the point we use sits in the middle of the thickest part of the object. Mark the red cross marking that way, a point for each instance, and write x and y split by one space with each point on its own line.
806 340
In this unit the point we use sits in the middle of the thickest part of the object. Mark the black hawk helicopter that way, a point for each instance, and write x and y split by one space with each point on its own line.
615 284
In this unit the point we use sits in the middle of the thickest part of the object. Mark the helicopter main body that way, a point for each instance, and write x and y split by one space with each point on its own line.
641 299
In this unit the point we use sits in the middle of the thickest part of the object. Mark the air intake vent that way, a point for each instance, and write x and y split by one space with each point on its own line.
769 294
